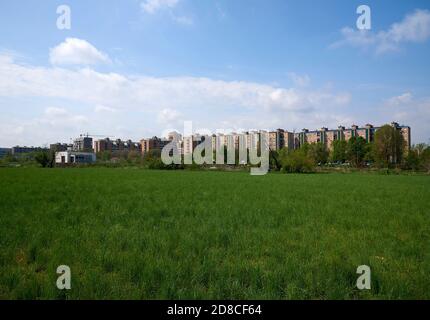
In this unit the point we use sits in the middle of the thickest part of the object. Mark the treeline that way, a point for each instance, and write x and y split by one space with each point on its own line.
388 150
44 159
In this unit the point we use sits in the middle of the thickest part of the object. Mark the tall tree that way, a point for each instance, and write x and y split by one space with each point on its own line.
356 150
425 159
338 153
389 146
274 160
297 161
318 152
45 158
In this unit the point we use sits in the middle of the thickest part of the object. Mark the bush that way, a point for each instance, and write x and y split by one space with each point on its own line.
318 153
425 159
412 160
356 150
298 162
45 158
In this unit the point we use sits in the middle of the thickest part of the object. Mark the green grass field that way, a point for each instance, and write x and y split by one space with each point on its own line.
130 233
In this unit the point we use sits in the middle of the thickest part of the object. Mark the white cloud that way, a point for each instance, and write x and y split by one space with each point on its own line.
103 109
399 100
75 51
55 112
55 116
208 102
168 116
152 6
414 28
409 110
54 124
115 90
155 6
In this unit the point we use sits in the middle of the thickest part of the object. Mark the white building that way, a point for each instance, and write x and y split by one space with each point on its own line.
71 157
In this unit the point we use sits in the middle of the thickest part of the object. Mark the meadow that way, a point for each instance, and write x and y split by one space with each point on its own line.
141 234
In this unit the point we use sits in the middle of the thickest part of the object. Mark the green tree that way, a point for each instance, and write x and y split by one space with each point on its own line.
412 160
425 159
45 158
338 153
318 153
420 148
133 157
356 150
9 158
370 153
389 146
297 161
104 156
274 160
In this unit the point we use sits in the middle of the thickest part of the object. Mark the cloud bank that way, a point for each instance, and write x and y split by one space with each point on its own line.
414 28
163 101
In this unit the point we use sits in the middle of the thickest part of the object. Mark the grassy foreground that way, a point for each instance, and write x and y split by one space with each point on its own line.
129 233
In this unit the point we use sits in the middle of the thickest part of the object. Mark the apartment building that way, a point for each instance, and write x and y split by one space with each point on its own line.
17 151
326 136
116 146
154 143
277 139
83 144
288 140
60 147
190 143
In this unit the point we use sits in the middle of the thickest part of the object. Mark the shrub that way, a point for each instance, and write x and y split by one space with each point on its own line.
45 159
298 162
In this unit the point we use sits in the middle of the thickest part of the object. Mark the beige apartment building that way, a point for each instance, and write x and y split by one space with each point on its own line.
277 139
152 144
326 136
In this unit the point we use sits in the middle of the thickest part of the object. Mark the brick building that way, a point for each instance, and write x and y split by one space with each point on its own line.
153 143
116 146
326 136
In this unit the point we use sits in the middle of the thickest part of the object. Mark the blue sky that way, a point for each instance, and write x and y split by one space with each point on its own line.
138 68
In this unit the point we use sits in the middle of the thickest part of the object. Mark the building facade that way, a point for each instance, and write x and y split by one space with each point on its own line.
327 137
83 144
153 144
59 147
277 139
116 146
73 157
5 151
17 151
